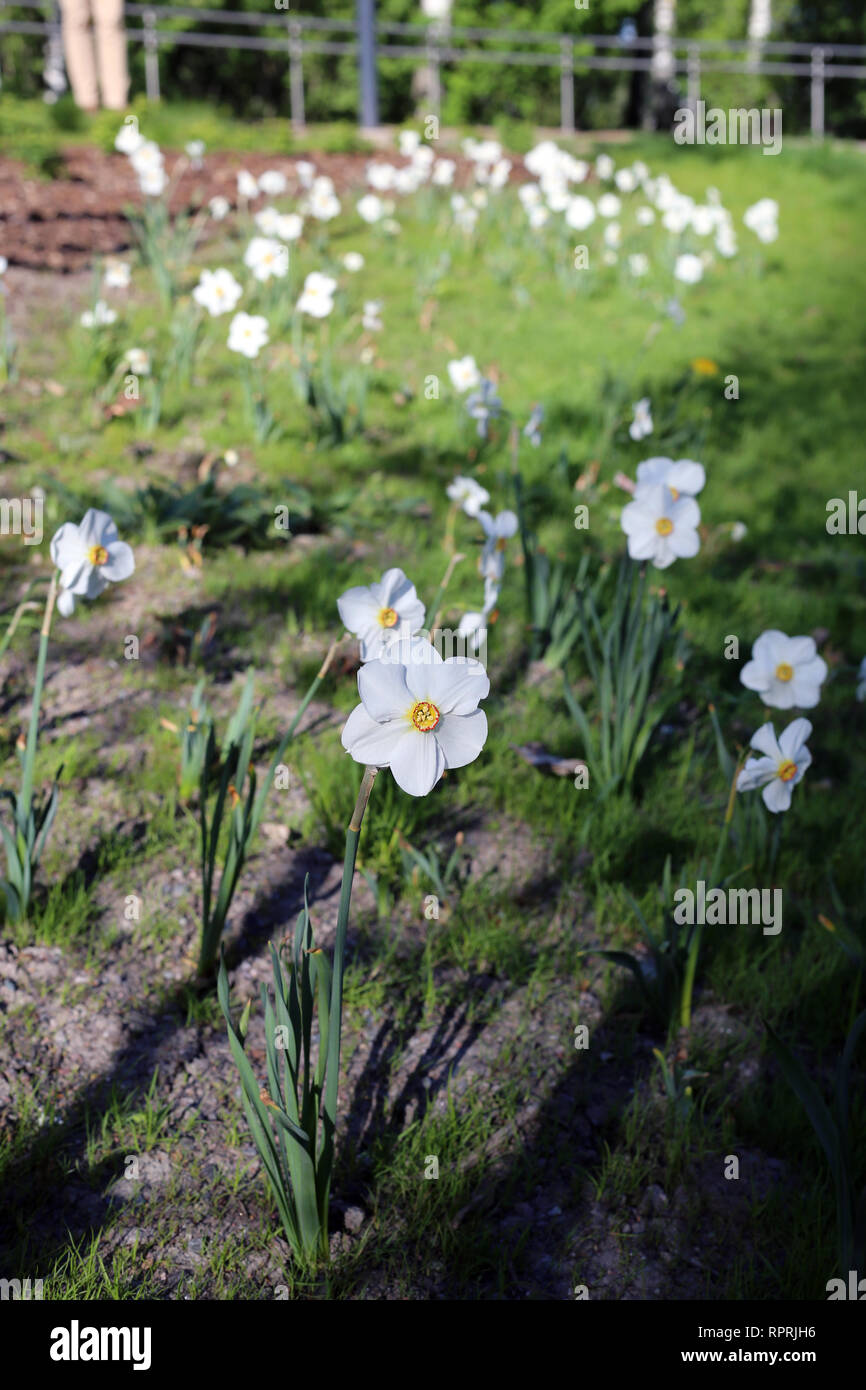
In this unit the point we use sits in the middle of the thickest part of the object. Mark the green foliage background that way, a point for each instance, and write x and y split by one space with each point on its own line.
252 85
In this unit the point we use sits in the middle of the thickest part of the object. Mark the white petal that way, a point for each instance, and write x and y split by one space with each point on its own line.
97 528
369 742
684 542
120 563
777 795
687 477
383 690
456 686
801 650
358 609
461 737
755 676
793 737
771 648
417 763
764 739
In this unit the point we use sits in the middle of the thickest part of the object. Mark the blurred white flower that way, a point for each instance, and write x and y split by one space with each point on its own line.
116 274
625 180
408 141
248 188
289 226
381 176
138 361
609 205
217 291
443 172
682 477
152 182
98 316
638 263
739 530
726 241
306 172
497 530
613 235
381 614
464 373
129 138
785 671
580 212
272 183
642 424
266 259
323 203
370 208
219 207
604 166
195 151
317 296
266 220
762 218
471 496
661 529
371 319
689 269
248 334
645 217
353 261
783 765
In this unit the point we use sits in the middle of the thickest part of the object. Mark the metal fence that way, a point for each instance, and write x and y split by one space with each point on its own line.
434 45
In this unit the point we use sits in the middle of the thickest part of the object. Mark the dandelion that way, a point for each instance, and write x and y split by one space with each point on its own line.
98 316
217 291
91 555
689 268
464 373
661 528
317 296
484 405
785 671
468 494
418 719
380 614
248 334
782 766
642 424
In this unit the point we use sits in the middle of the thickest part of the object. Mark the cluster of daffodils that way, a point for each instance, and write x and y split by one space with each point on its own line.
661 521
648 200
787 673
418 714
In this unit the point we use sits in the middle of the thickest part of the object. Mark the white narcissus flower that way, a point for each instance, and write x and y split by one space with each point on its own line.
609 205
538 217
371 319
625 180
146 157
682 477
288 226
408 142
98 316
323 204
780 769
645 217
195 150
497 531
762 218
219 207
661 529
381 176
267 258
138 361
443 172
419 719
642 424
353 261
267 220
91 556
580 212
306 172
370 208
726 241
785 671
247 186
116 275
613 235
604 166
129 138
471 496
273 183
317 296
861 680
381 614
217 291
464 373
152 182
689 268
248 334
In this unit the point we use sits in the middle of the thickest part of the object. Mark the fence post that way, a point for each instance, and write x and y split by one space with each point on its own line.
434 71
151 57
366 26
296 75
694 76
566 85
818 93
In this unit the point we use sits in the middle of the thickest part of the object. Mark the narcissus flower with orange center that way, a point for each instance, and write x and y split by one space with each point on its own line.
419 719
90 556
785 671
682 477
381 614
783 765
468 494
660 527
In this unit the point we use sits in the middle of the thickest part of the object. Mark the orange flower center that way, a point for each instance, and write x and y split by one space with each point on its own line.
664 525
424 715
787 770
784 672
387 617
97 555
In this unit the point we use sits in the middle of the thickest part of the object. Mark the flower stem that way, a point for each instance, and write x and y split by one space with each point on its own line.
24 800
434 607
695 945
336 1011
